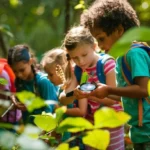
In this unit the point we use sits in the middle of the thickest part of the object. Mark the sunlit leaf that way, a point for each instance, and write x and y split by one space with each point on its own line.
59 112
79 6
98 139
14 3
3 81
124 43
45 122
27 143
7 139
74 124
107 117
63 146
74 148
30 100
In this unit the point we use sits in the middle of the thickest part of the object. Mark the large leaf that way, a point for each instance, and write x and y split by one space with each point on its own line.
30 100
74 124
63 146
27 143
124 43
7 139
98 139
32 131
107 117
45 122
59 112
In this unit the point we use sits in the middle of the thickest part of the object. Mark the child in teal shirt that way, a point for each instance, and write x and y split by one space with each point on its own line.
27 78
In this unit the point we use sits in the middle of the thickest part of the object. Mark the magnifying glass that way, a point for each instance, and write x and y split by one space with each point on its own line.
88 87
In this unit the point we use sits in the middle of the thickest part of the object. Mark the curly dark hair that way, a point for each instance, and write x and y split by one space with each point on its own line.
108 15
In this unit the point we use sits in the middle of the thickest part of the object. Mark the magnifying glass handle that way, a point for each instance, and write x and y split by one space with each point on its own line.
9 108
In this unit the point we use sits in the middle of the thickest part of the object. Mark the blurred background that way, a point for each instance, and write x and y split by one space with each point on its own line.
42 24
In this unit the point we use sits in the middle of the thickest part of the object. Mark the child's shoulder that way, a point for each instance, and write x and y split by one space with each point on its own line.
41 77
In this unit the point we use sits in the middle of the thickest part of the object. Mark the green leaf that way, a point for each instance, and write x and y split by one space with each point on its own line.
108 117
32 131
63 146
3 81
79 6
7 139
30 100
74 148
59 113
124 43
74 124
45 122
98 139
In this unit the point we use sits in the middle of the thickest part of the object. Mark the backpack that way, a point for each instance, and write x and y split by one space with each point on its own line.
14 115
100 75
126 73
99 67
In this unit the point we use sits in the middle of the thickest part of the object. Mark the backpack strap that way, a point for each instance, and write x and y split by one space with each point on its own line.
100 67
78 73
126 73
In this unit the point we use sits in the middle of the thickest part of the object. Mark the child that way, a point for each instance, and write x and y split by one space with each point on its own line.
80 46
54 63
28 79
14 115
108 20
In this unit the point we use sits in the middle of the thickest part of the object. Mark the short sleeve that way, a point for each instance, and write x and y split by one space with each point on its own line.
109 66
138 59
48 92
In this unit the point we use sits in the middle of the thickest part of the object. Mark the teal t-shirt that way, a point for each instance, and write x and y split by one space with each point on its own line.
139 61
44 88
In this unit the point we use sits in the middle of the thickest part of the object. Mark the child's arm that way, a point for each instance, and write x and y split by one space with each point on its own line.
138 90
68 100
80 110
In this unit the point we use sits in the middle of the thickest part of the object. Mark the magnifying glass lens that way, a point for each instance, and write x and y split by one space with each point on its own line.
87 87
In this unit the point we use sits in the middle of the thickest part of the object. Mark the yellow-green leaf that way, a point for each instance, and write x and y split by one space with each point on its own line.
63 146
98 139
30 100
108 117
59 112
123 44
45 122
74 124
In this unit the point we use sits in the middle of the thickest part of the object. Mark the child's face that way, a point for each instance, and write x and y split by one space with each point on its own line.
105 42
53 77
83 55
23 70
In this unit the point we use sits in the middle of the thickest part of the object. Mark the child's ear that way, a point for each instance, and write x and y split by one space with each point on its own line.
120 30
31 61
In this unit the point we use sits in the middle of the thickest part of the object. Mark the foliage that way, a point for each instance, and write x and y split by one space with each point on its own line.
31 137
123 45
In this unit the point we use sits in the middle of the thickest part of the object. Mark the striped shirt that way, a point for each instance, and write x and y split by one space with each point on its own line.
116 134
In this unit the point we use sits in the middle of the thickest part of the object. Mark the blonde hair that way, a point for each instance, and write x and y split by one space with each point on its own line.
57 56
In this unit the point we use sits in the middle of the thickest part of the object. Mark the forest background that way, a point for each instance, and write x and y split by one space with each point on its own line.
42 24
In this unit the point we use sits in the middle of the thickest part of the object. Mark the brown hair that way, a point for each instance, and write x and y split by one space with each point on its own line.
108 15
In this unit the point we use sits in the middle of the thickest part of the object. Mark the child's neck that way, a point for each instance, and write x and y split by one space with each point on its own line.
31 76
96 58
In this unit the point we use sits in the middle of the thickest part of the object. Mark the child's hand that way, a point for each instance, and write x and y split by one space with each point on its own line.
20 106
56 106
80 94
100 92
